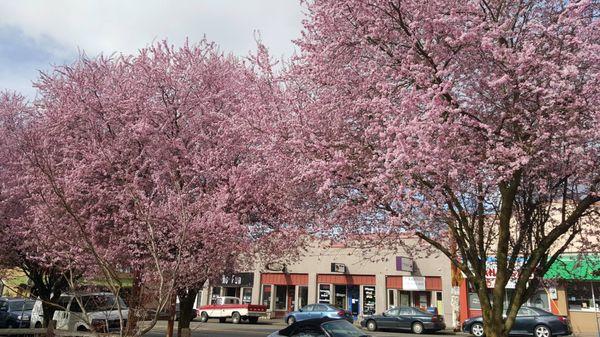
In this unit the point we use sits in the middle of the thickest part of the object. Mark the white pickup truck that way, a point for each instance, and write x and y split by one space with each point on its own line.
226 307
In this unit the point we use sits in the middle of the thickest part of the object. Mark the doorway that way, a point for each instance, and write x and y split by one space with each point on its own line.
354 300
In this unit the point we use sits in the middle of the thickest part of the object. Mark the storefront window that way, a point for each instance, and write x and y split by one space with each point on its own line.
391 298
474 301
302 296
246 295
199 299
539 299
324 293
404 299
583 295
266 296
340 296
216 292
280 297
368 300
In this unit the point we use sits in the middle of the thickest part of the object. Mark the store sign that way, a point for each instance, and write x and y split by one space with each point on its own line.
413 283
237 280
491 269
404 264
338 268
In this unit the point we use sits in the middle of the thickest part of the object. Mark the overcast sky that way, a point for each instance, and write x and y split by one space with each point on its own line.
36 34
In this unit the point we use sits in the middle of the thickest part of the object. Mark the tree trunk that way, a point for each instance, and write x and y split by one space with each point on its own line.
172 312
134 303
187 298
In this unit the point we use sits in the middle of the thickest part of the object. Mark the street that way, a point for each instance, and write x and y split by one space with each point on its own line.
262 329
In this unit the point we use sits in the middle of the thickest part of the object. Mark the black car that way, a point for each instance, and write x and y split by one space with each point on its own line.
530 321
405 318
15 312
320 327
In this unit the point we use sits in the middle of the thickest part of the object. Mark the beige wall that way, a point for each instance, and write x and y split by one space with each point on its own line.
381 263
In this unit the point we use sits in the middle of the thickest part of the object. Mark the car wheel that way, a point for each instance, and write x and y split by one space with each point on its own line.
477 329
203 316
236 318
417 327
371 325
542 331
291 320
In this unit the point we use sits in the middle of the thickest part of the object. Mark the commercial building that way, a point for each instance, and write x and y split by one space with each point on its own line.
571 287
358 280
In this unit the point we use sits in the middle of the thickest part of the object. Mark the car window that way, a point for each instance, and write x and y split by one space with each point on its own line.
406 311
420 312
20 306
308 308
320 307
63 302
93 303
393 312
526 312
341 328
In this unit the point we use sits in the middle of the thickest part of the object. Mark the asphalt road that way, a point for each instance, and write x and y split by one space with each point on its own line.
261 329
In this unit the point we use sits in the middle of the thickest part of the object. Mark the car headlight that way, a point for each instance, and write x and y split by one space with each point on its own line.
23 317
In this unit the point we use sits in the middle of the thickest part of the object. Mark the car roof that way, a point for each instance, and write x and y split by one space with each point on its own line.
307 322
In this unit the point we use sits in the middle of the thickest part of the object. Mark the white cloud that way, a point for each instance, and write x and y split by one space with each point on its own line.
109 26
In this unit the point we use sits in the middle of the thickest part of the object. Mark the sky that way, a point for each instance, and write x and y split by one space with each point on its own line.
36 35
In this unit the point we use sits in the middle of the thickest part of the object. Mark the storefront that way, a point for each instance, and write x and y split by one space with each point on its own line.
355 293
235 285
423 292
283 292
575 280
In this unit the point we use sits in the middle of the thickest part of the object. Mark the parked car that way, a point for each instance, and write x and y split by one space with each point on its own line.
320 327
100 313
318 311
15 312
530 321
405 318
230 307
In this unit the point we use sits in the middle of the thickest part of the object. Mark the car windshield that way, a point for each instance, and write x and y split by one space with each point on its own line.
101 303
341 328
21 305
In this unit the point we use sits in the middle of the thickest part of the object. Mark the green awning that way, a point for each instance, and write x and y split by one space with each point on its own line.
575 267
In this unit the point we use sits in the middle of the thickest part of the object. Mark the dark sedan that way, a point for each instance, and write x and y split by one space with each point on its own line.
530 321
405 318
15 312
320 327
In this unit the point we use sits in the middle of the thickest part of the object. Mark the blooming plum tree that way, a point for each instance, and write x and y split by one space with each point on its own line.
474 122
155 163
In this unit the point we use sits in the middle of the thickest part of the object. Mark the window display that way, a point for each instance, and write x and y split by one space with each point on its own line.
324 293
368 300
266 296
583 295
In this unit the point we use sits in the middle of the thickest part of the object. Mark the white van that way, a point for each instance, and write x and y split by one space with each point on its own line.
101 313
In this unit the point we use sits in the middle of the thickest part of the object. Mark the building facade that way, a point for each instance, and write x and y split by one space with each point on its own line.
354 279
